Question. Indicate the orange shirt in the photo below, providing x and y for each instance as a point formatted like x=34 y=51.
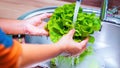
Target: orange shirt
x=9 y=55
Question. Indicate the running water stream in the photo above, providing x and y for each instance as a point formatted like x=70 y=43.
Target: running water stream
x=78 y=2
x=77 y=6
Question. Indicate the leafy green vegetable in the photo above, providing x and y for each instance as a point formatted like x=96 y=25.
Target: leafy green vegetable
x=52 y=63
x=61 y=23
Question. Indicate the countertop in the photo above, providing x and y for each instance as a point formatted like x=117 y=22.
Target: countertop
x=12 y=9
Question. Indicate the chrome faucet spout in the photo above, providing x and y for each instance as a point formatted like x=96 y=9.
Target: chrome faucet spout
x=104 y=8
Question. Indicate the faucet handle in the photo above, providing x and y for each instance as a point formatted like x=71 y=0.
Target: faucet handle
x=114 y=10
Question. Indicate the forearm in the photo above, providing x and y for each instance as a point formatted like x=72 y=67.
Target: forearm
x=12 y=26
x=37 y=53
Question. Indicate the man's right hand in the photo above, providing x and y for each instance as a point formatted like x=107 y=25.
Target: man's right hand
x=71 y=47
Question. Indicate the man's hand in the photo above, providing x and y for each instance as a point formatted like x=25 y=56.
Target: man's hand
x=35 y=25
x=71 y=47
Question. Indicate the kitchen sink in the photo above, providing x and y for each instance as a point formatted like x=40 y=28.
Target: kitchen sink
x=107 y=40
x=107 y=44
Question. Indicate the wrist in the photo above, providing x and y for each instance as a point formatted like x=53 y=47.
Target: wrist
x=61 y=47
x=20 y=27
x=25 y=27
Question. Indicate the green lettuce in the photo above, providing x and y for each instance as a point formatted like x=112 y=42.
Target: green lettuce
x=61 y=23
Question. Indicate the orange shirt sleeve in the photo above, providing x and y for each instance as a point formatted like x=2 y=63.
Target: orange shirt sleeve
x=9 y=56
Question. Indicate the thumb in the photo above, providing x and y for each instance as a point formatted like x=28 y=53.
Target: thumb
x=45 y=15
x=84 y=42
x=71 y=33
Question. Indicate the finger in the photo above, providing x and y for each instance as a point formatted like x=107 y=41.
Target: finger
x=38 y=19
x=83 y=49
x=71 y=33
x=42 y=25
x=41 y=32
x=45 y=15
x=84 y=42
x=36 y=31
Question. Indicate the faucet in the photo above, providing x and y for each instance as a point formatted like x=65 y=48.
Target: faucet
x=103 y=14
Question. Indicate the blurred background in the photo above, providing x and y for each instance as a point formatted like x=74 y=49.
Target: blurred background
x=14 y=8
x=97 y=3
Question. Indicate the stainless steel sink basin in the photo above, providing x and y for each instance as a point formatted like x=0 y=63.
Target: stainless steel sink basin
x=107 y=43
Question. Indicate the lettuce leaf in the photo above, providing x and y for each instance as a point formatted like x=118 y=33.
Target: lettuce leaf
x=61 y=23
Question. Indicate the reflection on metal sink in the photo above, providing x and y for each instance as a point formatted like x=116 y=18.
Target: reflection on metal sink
x=109 y=35
x=107 y=43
